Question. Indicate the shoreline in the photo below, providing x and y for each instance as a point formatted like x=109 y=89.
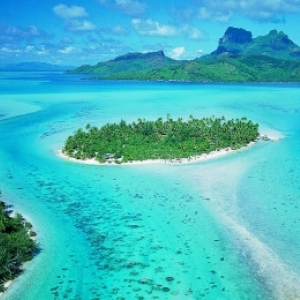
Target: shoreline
x=6 y=285
x=193 y=159
x=9 y=282
x=93 y=161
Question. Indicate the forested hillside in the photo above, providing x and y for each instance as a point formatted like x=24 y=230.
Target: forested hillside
x=238 y=58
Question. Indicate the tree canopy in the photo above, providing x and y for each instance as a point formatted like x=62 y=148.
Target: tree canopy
x=16 y=244
x=159 y=139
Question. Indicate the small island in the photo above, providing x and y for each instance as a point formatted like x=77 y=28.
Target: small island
x=161 y=139
x=17 y=244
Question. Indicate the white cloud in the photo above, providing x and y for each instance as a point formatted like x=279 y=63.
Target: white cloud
x=9 y=50
x=29 y=48
x=34 y=31
x=76 y=25
x=200 y=52
x=128 y=7
x=104 y=2
x=42 y=50
x=12 y=33
x=217 y=14
x=67 y=50
x=66 y=12
x=120 y=30
x=267 y=10
x=66 y=40
x=191 y=32
x=176 y=53
x=131 y=7
x=182 y=14
x=153 y=28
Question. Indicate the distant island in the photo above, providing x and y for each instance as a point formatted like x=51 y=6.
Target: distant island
x=17 y=245
x=33 y=66
x=238 y=58
x=160 y=139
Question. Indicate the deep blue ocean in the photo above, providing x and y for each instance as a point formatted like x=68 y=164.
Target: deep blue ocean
x=226 y=228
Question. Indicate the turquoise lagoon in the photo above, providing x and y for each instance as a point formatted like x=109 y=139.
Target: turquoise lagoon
x=226 y=228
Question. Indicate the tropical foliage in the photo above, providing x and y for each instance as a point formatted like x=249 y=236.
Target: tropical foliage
x=238 y=58
x=127 y=63
x=275 y=44
x=160 y=139
x=241 y=68
x=16 y=244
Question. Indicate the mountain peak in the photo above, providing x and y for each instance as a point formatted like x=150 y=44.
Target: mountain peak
x=236 y=35
x=233 y=41
x=138 y=55
x=273 y=32
x=131 y=62
x=279 y=38
x=238 y=41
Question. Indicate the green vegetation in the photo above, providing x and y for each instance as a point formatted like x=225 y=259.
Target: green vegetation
x=16 y=244
x=275 y=44
x=129 y=63
x=242 y=68
x=160 y=139
x=222 y=68
x=238 y=58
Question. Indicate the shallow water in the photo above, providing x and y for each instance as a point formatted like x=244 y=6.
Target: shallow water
x=221 y=229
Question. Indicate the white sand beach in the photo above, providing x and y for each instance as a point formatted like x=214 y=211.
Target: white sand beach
x=211 y=155
x=198 y=158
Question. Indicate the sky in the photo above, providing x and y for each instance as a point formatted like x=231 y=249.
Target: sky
x=74 y=33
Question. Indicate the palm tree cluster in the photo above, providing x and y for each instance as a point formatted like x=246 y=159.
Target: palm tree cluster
x=16 y=244
x=160 y=139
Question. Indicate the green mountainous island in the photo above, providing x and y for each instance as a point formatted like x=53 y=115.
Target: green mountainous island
x=238 y=58
x=33 y=66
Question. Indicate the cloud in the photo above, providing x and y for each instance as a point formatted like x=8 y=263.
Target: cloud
x=176 y=53
x=128 y=7
x=200 y=52
x=67 y=50
x=42 y=50
x=153 y=28
x=131 y=7
x=71 y=12
x=14 y=35
x=267 y=10
x=10 y=50
x=29 y=48
x=118 y=30
x=191 y=32
x=217 y=11
x=182 y=14
x=16 y=32
x=66 y=40
x=71 y=15
x=81 y=26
